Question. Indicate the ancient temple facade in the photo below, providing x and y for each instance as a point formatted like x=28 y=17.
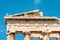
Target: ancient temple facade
x=32 y=24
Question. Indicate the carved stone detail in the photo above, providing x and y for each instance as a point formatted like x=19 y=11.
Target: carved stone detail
x=32 y=24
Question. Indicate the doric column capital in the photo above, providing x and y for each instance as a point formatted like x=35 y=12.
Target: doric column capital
x=27 y=33
x=57 y=38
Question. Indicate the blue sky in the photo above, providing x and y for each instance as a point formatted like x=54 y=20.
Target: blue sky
x=48 y=7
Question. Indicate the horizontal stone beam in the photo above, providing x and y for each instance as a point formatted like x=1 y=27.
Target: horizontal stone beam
x=36 y=35
x=27 y=29
x=31 y=18
x=54 y=35
x=43 y=29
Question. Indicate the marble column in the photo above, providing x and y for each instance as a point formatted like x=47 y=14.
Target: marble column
x=11 y=36
x=27 y=36
x=46 y=37
x=41 y=38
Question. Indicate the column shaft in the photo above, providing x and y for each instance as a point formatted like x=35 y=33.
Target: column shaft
x=27 y=36
x=10 y=37
x=41 y=38
x=46 y=37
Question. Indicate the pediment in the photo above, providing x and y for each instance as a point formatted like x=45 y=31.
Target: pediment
x=27 y=14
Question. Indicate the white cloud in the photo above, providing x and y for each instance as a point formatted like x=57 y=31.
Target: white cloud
x=37 y=1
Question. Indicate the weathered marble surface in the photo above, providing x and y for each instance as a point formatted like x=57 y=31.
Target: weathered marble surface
x=32 y=24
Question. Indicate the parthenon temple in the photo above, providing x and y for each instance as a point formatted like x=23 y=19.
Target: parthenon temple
x=32 y=24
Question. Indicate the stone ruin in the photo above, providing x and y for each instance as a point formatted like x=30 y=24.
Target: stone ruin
x=32 y=24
